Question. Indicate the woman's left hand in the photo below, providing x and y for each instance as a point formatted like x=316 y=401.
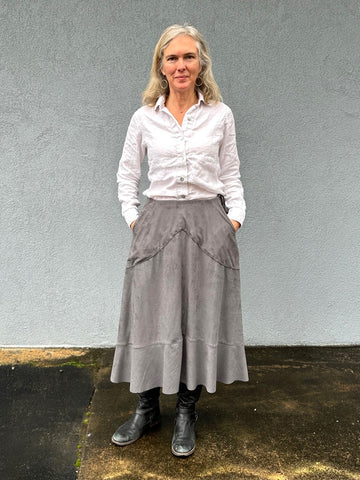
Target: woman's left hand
x=236 y=224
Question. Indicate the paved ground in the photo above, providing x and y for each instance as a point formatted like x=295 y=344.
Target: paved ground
x=41 y=415
x=297 y=419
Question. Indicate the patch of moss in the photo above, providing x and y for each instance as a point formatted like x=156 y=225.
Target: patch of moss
x=77 y=464
x=78 y=364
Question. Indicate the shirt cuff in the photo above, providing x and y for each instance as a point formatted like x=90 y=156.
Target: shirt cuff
x=236 y=214
x=131 y=215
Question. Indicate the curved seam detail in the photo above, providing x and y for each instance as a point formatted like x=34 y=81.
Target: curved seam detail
x=209 y=254
x=156 y=252
x=172 y=236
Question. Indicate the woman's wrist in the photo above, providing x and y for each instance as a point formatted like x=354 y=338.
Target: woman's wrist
x=236 y=224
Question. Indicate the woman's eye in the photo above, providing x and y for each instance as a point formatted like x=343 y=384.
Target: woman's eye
x=171 y=59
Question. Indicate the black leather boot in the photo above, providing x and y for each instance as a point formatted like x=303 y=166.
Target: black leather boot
x=183 y=441
x=147 y=415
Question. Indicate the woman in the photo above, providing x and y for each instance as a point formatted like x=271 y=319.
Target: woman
x=180 y=324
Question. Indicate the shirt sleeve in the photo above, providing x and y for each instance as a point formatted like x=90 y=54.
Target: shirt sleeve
x=230 y=171
x=129 y=172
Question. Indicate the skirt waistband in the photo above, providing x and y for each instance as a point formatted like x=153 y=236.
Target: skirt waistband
x=183 y=201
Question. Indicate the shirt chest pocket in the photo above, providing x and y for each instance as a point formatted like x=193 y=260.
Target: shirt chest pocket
x=163 y=147
x=207 y=147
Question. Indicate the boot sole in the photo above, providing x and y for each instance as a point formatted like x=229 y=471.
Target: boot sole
x=123 y=444
x=129 y=442
x=183 y=455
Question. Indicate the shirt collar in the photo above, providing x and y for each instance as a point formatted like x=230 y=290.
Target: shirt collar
x=160 y=104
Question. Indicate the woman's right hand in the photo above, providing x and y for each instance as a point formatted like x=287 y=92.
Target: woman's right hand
x=132 y=224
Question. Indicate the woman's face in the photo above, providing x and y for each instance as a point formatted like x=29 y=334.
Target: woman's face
x=181 y=64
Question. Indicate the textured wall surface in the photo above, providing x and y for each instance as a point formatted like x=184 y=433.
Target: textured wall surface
x=71 y=75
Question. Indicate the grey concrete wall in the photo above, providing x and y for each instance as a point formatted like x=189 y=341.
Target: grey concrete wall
x=71 y=75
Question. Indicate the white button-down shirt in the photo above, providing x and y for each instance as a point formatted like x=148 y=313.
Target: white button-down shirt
x=196 y=160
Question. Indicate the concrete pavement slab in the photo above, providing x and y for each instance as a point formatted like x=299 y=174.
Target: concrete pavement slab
x=297 y=419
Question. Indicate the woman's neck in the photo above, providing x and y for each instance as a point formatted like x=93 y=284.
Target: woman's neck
x=181 y=102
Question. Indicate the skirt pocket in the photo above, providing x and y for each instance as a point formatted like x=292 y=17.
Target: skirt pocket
x=224 y=211
x=141 y=216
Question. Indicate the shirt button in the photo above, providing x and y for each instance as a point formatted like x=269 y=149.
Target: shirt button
x=182 y=179
x=182 y=196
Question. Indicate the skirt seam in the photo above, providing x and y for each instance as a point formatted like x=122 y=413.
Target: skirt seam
x=172 y=236
x=217 y=344
x=138 y=347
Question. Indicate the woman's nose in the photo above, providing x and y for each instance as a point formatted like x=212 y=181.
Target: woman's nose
x=180 y=64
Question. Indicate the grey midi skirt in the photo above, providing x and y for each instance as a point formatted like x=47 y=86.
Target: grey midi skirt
x=180 y=315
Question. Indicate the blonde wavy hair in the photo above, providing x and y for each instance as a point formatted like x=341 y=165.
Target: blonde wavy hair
x=208 y=87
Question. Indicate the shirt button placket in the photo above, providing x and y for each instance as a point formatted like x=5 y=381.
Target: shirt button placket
x=181 y=179
x=182 y=184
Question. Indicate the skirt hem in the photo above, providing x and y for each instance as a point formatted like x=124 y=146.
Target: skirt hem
x=210 y=391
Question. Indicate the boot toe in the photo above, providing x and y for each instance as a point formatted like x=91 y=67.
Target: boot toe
x=134 y=428
x=183 y=449
x=122 y=437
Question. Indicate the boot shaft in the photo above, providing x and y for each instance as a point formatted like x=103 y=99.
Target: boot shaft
x=148 y=401
x=187 y=398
